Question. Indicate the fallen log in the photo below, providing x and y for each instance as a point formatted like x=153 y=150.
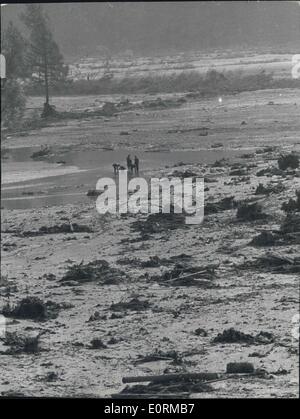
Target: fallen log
x=150 y=395
x=171 y=377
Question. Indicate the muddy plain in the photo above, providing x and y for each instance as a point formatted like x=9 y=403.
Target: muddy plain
x=129 y=295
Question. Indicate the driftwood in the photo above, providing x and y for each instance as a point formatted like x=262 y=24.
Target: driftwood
x=207 y=270
x=170 y=377
x=150 y=395
x=174 y=381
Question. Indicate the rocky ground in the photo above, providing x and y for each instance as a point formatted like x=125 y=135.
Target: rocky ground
x=135 y=311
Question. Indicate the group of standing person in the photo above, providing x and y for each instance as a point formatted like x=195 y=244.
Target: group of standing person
x=133 y=166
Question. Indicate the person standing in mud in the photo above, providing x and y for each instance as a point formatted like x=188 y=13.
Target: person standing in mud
x=136 y=164
x=129 y=163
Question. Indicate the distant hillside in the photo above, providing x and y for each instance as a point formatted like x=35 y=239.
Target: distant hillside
x=81 y=29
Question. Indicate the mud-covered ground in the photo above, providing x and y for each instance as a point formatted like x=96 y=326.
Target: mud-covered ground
x=162 y=315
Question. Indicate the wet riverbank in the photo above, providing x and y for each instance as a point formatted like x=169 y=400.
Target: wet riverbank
x=29 y=184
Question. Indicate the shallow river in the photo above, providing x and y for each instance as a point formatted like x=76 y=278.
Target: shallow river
x=67 y=178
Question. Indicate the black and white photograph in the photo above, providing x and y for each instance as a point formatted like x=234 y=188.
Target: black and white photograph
x=150 y=202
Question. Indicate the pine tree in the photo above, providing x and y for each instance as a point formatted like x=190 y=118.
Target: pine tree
x=44 y=57
x=13 y=47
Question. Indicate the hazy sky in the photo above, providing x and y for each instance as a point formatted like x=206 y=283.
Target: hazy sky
x=150 y=27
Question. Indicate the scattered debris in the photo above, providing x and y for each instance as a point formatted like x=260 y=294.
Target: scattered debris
x=135 y=305
x=280 y=371
x=97 y=344
x=32 y=308
x=155 y=261
x=93 y=192
x=114 y=341
x=199 y=376
x=185 y=130
x=45 y=151
x=49 y=277
x=250 y=212
x=234 y=336
x=291 y=224
x=182 y=275
x=224 y=204
x=184 y=174
x=109 y=109
x=157 y=223
x=288 y=161
x=159 y=355
x=97 y=316
x=98 y=270
x=134 y=262
x=220 y=163
x=247 y=156
x=274 y=263
x=217 y=145
x=201 y=332
x=238 y=172
x=172 y=389
x=166 y=103
x=13 y=394
x=51 y=376
x=267 y=149
x=270 y=171
x=265 y=238
x=152 y=262
x=288 y=234
x=266 y=190
x=293 y=205
x=240 y=368
x=264 y=338
x=21 y=344
x=58 y=229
